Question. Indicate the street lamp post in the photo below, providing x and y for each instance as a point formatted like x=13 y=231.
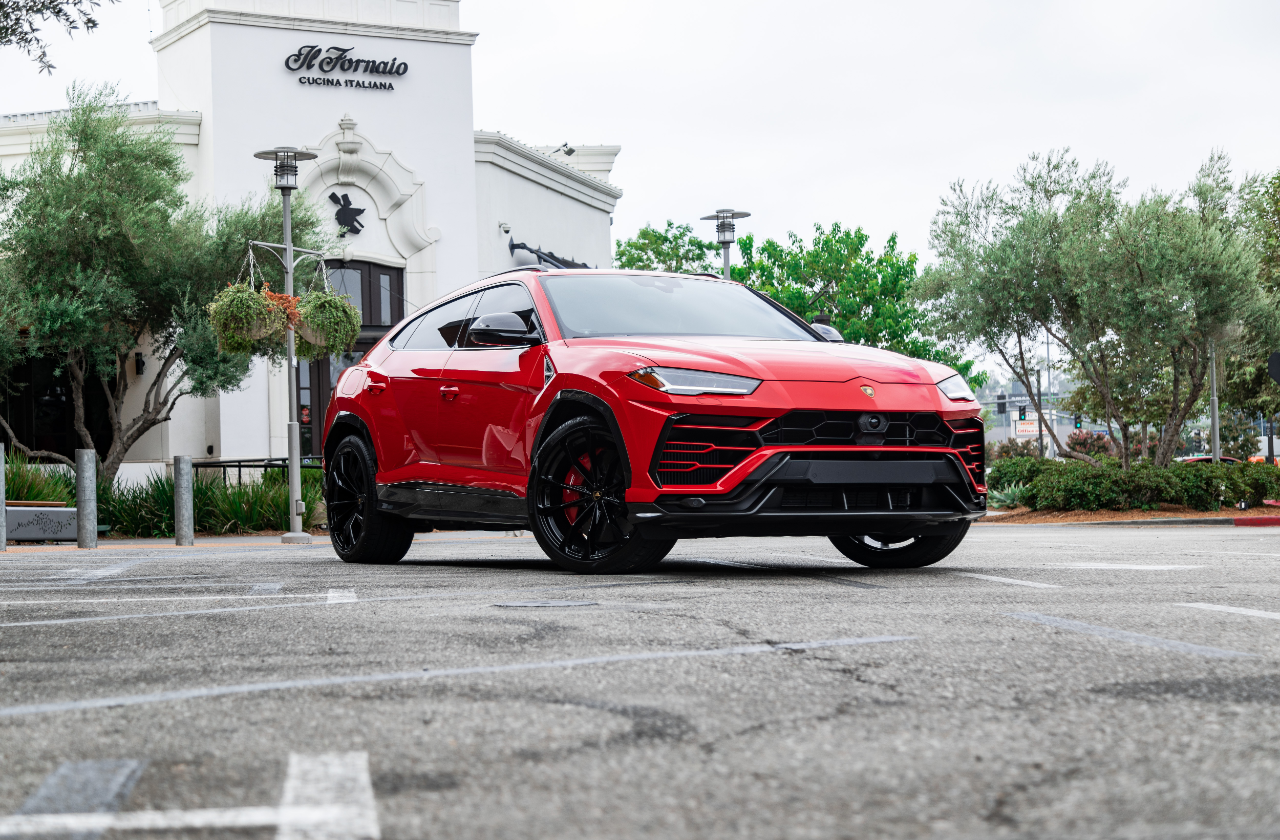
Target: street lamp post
x=286 y=173
x=725 y=231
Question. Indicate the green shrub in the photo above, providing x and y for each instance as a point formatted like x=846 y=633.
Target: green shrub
x=1012 y=495
x=146 y=509
x=1008 y=471
x=1075 y=485
x=28 y=482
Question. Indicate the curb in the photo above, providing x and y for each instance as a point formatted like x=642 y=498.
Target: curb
x=1238 y=521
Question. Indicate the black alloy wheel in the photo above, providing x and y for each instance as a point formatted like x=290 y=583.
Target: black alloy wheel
x=359 y=532
x=882 y=551
x=577 y=504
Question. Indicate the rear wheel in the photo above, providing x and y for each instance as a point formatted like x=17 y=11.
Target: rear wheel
x=577 y=504
x=360 y=533
x=882 y=551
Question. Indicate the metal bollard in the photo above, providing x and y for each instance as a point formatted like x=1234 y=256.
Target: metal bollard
x=86 y=498
x=184 y=525
x=4 y=514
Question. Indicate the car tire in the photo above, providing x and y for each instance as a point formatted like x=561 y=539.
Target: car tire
x=871 y=551
x=580 y=462
x=359 y=532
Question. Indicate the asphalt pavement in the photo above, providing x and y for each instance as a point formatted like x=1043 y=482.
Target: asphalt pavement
x=1041 y=682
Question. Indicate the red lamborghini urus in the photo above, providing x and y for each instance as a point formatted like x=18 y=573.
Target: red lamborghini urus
x=613 y=413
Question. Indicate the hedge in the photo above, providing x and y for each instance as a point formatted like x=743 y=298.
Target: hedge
x=1075 y=485
x=146 y=509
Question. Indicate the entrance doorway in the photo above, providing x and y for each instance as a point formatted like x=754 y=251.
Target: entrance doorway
x=378 y=292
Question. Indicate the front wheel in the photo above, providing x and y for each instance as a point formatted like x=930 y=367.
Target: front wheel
x=577 y=504
x=359 y=532
x=880 y=551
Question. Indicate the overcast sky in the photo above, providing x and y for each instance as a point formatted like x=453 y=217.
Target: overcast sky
x=805 y=111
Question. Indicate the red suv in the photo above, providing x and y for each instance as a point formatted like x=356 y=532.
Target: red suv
x=613 y=413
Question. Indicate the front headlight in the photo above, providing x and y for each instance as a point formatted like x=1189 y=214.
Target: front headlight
x=955 y=388
x=690 y=383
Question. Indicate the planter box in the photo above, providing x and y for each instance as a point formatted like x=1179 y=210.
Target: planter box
x=40 y=523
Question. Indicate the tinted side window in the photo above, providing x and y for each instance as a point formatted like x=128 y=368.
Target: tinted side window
x=513 y=298
x=438 y=329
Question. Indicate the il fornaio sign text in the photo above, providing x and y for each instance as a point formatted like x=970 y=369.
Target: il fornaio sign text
x=312 y=57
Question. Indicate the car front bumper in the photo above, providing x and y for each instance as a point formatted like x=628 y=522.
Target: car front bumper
x=824 y=494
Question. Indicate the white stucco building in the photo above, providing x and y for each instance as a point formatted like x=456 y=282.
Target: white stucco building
x=381 y=91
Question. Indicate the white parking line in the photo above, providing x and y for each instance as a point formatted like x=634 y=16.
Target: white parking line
x=326 y=797
x=432 y=595
x=315 y=817
x=169 y=598
x=1126 y=636
x=341 y=596
x=84 y=786
x=342 y=779
x=1014 y=581
x=1237 y=610
x=425 y=674
x=1137 y=566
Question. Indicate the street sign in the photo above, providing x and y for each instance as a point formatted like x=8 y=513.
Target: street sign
x=1026 y=428
x=1273 y=367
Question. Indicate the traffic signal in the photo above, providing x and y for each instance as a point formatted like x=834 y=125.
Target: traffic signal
x=1022 y=412
x=1078 y=423
x=1001 y=406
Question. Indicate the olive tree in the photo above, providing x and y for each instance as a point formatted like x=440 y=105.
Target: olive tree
x=1131 y=290
x=102 y=255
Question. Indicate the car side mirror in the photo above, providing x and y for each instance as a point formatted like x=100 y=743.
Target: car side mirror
x=501 y=329
x=828 y=332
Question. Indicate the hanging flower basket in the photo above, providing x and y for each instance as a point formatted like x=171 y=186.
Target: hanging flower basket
x=327 y=323
x=242 y=317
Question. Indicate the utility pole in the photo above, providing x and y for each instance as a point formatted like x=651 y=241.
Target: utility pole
x=1048 y=378
x=1039 y=414
x=1213 y=402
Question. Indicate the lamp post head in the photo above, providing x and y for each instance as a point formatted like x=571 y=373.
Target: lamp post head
x=286 y=159
x=724 y=224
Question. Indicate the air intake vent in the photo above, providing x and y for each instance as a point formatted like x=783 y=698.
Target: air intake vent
x=699 y=450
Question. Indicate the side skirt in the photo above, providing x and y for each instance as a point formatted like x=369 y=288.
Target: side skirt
x=465 y=506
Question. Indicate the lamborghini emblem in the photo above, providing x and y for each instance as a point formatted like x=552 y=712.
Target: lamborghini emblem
x=868 y=390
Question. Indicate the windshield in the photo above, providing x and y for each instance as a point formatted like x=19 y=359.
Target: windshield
x=631 y=304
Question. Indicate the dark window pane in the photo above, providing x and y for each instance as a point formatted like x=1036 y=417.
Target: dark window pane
x=384 y=313
x=513 y=298
x=339 y=363
x=436 y=330
x=346 y=281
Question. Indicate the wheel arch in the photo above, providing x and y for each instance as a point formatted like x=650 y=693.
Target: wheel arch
x=346 y=424
x=571 y=403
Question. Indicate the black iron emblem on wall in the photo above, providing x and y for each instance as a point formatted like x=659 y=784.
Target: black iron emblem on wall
x=347 y=216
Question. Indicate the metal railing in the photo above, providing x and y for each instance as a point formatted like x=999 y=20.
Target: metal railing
x=256 y=467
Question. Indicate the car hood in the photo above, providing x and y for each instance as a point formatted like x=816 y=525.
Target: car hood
x=811 y=361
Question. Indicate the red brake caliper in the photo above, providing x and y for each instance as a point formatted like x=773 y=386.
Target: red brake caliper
x=575 y=479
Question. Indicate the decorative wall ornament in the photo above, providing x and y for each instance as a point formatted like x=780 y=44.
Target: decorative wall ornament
x=348 y=158
x=348 y=151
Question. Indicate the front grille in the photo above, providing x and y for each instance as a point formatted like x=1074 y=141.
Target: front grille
x=699 y=450
x=840 y=428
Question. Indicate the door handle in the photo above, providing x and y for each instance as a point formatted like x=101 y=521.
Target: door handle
x=375 y=387
x=449 y=392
